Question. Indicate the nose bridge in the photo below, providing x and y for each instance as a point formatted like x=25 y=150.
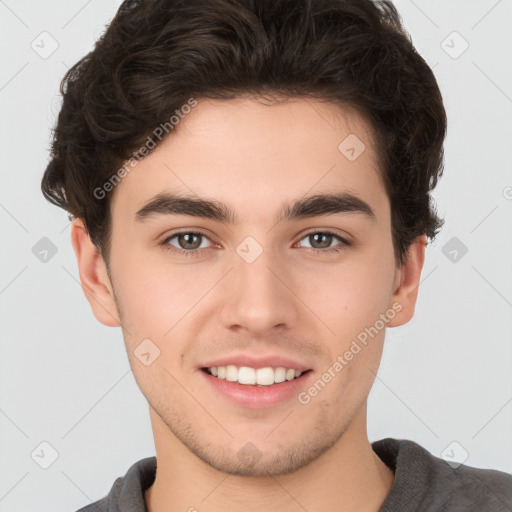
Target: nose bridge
x=257 y=298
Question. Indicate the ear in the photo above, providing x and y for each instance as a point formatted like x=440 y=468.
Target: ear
x=407 y=280
x=96 y=284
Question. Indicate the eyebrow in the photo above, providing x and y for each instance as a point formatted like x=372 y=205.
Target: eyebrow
x=166 y=203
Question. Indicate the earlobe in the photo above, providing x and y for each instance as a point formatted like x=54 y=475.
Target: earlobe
x=94 y=278
x=407 y=283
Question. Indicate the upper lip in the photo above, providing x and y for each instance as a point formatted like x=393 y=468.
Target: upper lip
x=274 y=361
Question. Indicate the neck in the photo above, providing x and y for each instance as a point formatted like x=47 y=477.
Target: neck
x=348 y=476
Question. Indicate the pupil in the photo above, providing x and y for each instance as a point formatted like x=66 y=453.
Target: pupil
x=187 y=237
x=329 y=237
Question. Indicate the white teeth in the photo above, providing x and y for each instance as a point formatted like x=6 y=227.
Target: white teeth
x=265 y=376
x=280 y=374
x=251 y=376
x=246 y=375
x=231 y=373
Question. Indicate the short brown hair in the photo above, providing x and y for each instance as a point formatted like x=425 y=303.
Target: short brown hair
x=156 y=54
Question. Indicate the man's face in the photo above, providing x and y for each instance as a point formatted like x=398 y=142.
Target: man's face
x=255 y=287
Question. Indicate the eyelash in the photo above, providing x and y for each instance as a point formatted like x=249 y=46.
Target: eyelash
x=198 y=252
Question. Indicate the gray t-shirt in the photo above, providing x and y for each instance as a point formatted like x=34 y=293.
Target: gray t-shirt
x=422 y=483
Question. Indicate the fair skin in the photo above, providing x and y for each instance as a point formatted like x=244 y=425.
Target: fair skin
x=295 y=299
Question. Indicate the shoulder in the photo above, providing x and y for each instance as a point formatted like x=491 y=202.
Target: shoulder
x=107 y=503
x=432 y=483
x=127 y=492
x=482 y=487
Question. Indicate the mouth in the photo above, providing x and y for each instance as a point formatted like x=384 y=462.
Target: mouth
x=255 y=377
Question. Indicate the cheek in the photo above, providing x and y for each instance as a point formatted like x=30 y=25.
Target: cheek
x=155 y=294
x=349 y=296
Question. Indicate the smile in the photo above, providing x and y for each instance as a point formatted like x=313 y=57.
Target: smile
x=254 y=377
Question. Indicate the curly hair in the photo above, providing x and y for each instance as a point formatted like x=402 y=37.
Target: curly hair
x=156 y=54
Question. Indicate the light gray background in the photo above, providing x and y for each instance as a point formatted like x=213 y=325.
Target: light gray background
x=64 y=378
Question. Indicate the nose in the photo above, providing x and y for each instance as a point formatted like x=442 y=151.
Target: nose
x=260 y=295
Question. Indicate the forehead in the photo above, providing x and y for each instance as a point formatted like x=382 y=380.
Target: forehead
x=253 y=155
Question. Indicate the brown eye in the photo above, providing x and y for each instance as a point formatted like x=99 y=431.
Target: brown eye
x=188 y=243
x=322 y=241
x=189 y=240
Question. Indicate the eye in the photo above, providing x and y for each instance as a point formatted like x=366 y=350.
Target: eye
x=189 y=243
x=192 y=243
x=324 y=240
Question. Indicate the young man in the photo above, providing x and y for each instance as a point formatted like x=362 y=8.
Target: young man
x=250 y=185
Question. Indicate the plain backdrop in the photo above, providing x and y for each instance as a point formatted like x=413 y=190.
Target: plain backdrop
x=67 y=396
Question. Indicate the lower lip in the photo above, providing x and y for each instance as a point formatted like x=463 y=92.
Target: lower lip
x=258 y=397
